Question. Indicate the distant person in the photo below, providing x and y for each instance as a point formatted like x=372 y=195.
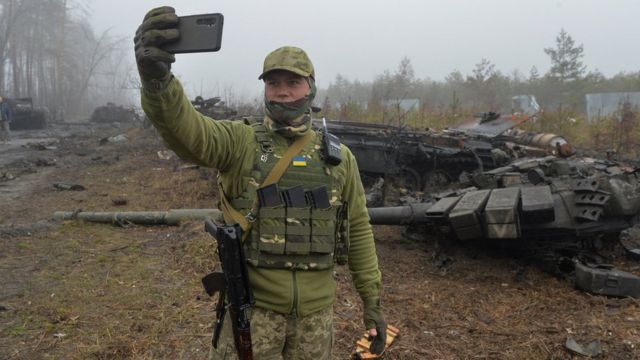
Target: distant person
x=5 y=119
x=290 y=260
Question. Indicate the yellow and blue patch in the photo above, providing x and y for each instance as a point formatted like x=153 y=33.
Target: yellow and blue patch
x=299 y=161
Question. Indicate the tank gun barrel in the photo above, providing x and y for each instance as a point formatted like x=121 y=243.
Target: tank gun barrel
x=171 y=217
x=400 y=215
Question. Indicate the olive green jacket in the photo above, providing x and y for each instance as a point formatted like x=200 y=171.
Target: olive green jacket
x=229 y=146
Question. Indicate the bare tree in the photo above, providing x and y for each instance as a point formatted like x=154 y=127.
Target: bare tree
x=49 y=52
x=88 y=60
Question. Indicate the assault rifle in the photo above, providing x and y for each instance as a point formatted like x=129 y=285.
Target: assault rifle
x=231 y=284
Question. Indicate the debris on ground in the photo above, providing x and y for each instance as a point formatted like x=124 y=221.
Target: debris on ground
x=119 y=201
x=68 y=186
x=592 y=349
x=45 y=162
x=114 y=139
x=166 y=154
x=5 y=176
x=362 y=346
x=49 y=145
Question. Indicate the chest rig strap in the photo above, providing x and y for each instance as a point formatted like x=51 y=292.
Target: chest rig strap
x=263 y=137
x=232 y=215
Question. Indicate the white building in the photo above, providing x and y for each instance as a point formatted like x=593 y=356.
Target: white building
x=605 y=104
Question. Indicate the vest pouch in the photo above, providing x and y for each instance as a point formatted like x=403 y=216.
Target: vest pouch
x=271 y=223
x=323 y=230
x=342 y=240
x=298 y=231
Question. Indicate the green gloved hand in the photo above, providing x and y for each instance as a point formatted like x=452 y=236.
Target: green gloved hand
x=154 y=64
x=374 y=319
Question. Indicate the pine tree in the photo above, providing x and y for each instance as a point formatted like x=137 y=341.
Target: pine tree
x=566 y=59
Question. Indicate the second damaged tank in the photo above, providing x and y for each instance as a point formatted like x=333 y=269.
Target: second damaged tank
x=213 y=108
x=422 y=159
x=112 y=113
x=560 y=213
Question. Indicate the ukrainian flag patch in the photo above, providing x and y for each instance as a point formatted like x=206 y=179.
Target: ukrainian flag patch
x=299 y=161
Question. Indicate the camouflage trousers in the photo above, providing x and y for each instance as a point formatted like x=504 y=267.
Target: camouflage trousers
x=276 y=336
x=5 y=133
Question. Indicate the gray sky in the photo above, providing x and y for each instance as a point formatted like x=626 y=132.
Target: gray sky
x=361 y=38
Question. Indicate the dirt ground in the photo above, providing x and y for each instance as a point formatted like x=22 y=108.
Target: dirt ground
x=73 y=290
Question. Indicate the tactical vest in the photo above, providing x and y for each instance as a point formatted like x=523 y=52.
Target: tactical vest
x=300 y=238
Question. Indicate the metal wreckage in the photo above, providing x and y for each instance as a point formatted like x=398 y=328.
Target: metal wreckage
x=559 y=212
x=26 y=116
x=511 y=189
x=497 y=186
x=423 y=159
x=112 y=113
x=213 y=107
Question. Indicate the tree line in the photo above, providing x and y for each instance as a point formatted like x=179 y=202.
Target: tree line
x=484 y=89
x=50 y=52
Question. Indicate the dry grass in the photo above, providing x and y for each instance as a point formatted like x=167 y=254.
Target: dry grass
x=90 y=291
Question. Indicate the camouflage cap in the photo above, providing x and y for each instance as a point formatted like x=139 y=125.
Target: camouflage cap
x=288 y=58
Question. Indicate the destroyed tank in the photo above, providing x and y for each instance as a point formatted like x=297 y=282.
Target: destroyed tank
x=213 y=108
x=423 y=159
x=559 y=212
x=26 y=116
x=112 y=113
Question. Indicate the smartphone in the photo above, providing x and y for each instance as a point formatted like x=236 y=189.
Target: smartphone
x=198 y=33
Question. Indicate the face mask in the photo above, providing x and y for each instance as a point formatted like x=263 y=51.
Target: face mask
x=290 y=114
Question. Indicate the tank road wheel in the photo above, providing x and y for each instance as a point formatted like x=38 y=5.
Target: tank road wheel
x=435 y=179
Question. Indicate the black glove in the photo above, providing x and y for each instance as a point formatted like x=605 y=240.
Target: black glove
x=373 y=318
x=154 y=64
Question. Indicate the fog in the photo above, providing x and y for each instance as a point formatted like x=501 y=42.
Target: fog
x=362 y=39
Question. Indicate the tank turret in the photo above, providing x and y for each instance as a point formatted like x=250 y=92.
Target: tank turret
x=550 y=208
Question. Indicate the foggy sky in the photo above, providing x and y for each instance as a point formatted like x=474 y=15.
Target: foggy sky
x=362 y=38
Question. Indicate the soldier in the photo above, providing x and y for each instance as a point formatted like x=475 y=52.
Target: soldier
x=5 y=120
x=292 y=277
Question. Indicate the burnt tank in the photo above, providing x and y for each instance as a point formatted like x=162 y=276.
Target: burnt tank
x=26 y=116
x=112 y=113
x=559 y=212
x=423 y=159
x=214 y=108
